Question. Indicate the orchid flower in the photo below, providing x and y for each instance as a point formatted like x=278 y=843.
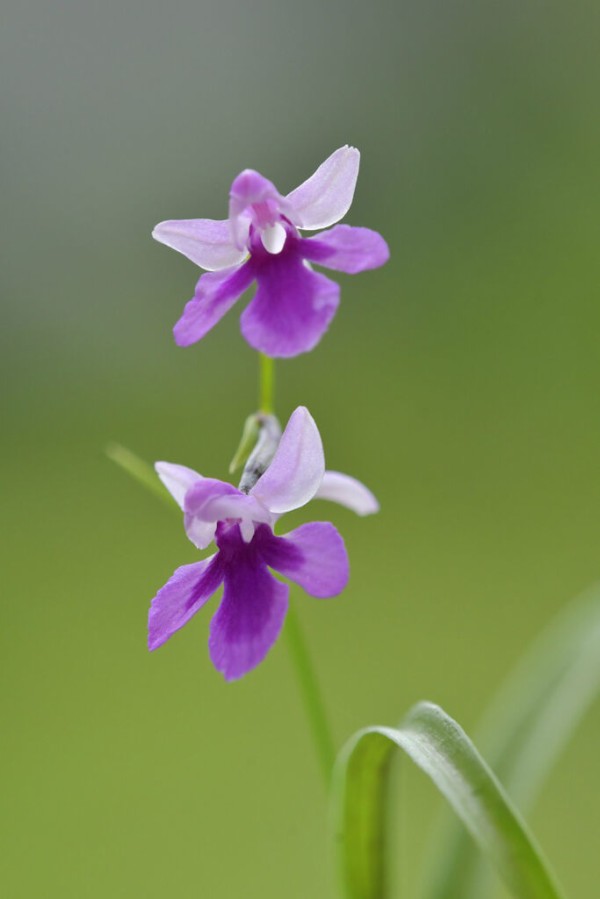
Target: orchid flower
x=254 y=603
x=260 y=241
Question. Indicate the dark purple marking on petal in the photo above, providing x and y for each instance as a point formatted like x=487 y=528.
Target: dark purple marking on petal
x=252 y=610
x=181 y=597
x=347 y=249
x=216 y=293
x=313 y=556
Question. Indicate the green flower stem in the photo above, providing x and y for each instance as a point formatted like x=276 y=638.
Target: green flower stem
x=311 y=694
x=307 y=679
x=266 y=384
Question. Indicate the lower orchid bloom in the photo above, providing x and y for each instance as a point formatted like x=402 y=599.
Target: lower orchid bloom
x=260 y=241
x=254 y=603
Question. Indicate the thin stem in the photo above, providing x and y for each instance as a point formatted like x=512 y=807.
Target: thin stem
x=266 y=384
x=307 y=678
x=311 y=694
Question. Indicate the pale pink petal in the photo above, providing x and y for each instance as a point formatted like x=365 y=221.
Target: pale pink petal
x=347 y=491
x=206 y=242
x=216 y=293
x=177 y=479
x=327 y=195
x=313 y=556
x=297 y=469
x=181 y=597
x=347 y=249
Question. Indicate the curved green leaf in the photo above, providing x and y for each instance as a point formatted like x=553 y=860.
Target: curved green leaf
x=525 y=729
x=437 y=744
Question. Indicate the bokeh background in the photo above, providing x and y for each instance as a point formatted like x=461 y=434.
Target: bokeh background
x=461 y=382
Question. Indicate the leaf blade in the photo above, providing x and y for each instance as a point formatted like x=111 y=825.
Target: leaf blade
x=140 y=471
x=437 y=745
x=525 y=730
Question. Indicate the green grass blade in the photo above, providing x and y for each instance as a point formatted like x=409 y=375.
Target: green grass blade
x=140 y=471
x=442 y=750
x=524 y=731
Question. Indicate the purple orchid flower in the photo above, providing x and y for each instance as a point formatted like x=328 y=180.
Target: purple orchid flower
x=260 y=242
x=254 y=603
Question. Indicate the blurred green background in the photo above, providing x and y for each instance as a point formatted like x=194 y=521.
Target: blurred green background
x=461 y=383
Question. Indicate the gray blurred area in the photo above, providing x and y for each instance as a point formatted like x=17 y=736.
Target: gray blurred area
x=461 y=383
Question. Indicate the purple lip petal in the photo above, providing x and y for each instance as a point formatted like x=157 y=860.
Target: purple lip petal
x=313 y=556
x=216 y=293
x=326 y=196
x=297 y=469
x=249 y=618
x=292 y=308
x=206 y=242
x=347 y=249
x=181 y=597
x=347 y=491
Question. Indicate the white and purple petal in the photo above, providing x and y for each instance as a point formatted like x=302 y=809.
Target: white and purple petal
x=347 y=491
x=253 y=200
x=206 y=242
x=181 y=597
x=199 y=526
x=234 y=506
x=249 y=618
x=326 y=196
x=177 y=479
x=292 y=308
x=297 y=469
x=347 y=249
x=216 y=293
x=313 y=556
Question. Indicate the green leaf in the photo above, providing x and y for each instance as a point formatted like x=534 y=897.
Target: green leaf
x=525 y=730
x=139 y=470
x=437 y=744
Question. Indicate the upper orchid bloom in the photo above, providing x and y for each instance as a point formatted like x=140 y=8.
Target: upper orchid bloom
x=254 y=603
x=260 y=242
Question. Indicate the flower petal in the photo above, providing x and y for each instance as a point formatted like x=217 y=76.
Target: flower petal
x=206 y=242
x=297 y=469
x=251 y=189
x=199 y=526
x=314 y=556
x=347 y=249
x=249 y=618
x=216 y=292
x=347 y=491
x=292 y=307
x=247 y=508
x=273 y=238
x=177 y=479
x=327 y=195
x=181 y=597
